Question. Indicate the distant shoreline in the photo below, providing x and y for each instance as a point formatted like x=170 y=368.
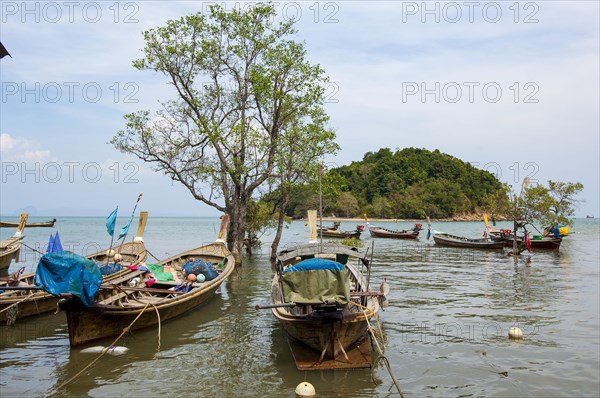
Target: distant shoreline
x=461 y=218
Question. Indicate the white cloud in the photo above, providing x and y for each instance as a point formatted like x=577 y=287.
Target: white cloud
x=19 y=149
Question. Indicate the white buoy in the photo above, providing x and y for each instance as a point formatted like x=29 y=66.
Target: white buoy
x=138 y=239
x=515 y=333
x=117 y=258
x=305 y=389
x=117 y=350
x=110 y=253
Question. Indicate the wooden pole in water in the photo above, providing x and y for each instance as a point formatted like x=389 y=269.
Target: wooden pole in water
x=19 y=233
x=321 y=204
x=312 y=226
x=141 y=224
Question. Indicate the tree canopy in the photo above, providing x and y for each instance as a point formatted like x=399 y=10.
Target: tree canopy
x=242 y=87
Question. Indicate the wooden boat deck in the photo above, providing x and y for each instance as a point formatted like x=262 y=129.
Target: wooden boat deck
x=359 y=357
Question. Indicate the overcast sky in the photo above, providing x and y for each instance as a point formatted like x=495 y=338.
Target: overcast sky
x=512 y=87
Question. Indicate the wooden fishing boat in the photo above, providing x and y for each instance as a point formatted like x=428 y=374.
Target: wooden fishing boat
x=9 y=248
x=29 y=301
x=462 y=242
x=43 y=224
x=538 y=242
x=323 y=309
x=118 y=303
x=379 y=232
x=335 y=232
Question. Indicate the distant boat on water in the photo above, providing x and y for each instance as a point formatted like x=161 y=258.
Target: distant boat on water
x=589 y=216
x=46 y=224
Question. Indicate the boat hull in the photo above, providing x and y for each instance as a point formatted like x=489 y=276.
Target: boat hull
x=465 y=243
x=545 y=243
x=384 y=233
x=320 y=334
x=9 y=251
x=340 y=234
x=329 y=332
x=44 y=224
x=113 y=309
x=30 y=303
x=98 y=323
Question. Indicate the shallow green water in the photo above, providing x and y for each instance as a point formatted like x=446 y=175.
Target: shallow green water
x=446 y=326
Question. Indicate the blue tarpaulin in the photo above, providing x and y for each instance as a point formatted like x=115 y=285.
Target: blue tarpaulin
x=315 y=264
x=66 y=272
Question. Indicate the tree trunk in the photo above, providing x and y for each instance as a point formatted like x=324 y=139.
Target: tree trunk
x=280 y=220
x=237 y=229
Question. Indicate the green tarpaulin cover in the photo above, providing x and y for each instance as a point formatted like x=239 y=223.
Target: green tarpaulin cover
x=316 y=286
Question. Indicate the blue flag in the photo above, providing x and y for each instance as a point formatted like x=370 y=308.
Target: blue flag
x=125 y=229
x=429 y=232
x=54 y=244
x=110 y=222
x=50 y=248
x=57 y=245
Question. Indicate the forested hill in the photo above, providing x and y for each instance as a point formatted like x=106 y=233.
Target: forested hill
x=408 y=183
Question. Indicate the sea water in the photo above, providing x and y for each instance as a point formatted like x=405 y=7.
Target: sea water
x=446 y=326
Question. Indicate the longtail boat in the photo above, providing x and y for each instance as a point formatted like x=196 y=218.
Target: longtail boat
x=539 y=242
x=9 y=248
x=129 y=302
x=335 y=232
x=462 y=242
x=380 y=232
x=42 y=224
x=30 y=301
x=322 y=300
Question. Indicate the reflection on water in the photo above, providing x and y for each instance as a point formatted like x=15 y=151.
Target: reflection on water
x=445 y=329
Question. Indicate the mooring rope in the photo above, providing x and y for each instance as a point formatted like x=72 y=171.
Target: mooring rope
x=35 y=250
x=106 y=349
x=12 y=309
x=381 y=355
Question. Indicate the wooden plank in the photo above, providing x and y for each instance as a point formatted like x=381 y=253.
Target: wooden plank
x=359 y=357
x=142 y=224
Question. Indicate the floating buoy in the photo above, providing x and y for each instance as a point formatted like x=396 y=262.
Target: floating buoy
x=200 y=278
x=515 y=333
x=305 y=389
x=191 y=277
x=138 y=239
x=118 y=350
x=110 y=253
x=117 y=258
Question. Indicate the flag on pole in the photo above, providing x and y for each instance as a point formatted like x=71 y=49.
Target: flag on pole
x=57 y=244
x=429 y=232
x=110 y=222
x=50 y=248
x=54 y=244
x=125 y=229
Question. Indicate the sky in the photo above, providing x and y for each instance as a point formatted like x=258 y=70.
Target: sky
x=511 y=87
